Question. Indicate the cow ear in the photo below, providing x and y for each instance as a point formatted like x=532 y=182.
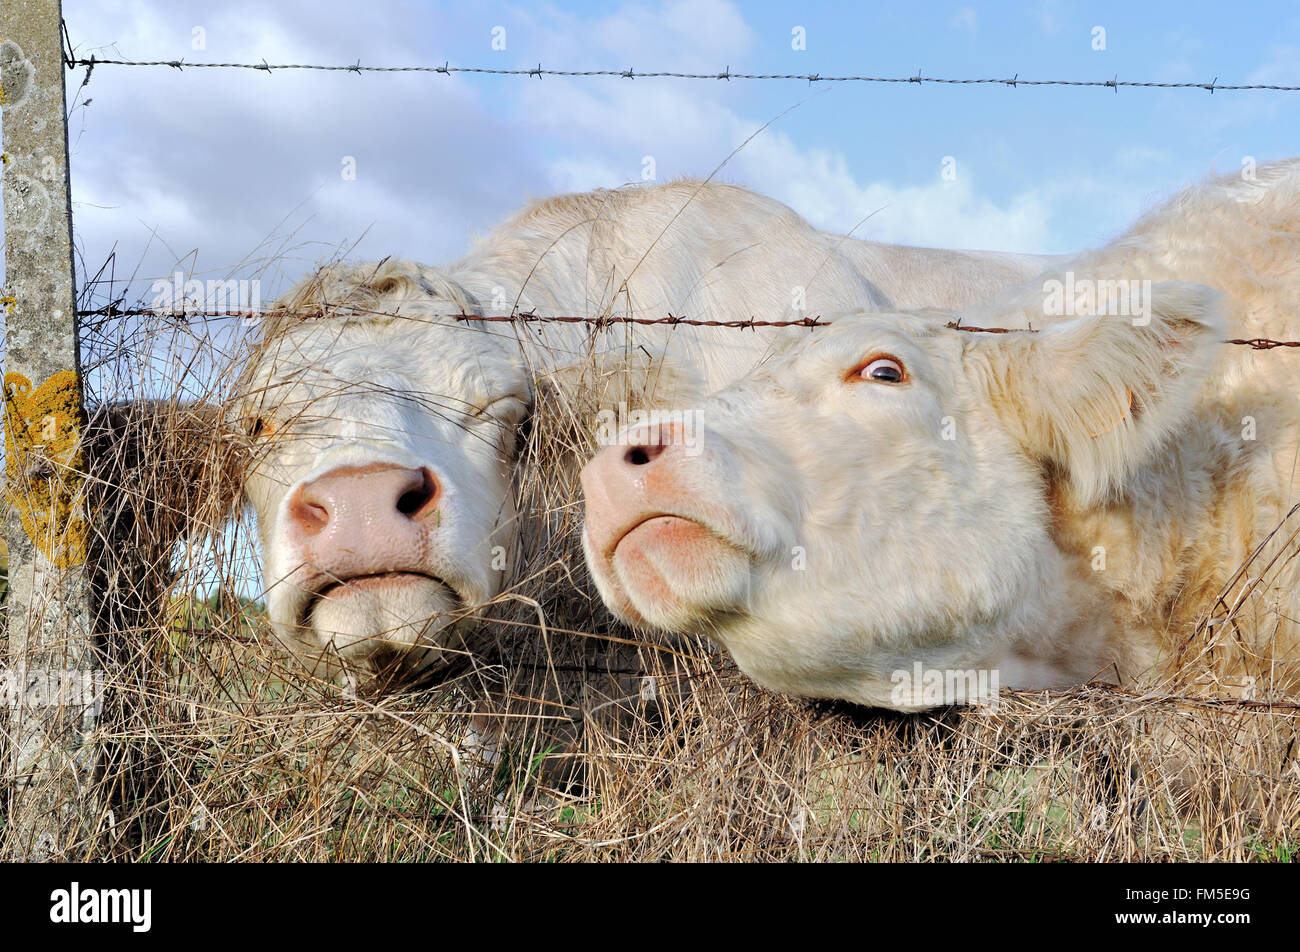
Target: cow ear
x=177 y=466
x=162 y=473
x=1097 y=395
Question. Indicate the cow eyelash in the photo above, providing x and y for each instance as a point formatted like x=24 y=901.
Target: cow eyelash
x=889 y=364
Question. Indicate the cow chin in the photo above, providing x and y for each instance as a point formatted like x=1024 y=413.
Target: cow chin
x=675 y=575
x=385 y=626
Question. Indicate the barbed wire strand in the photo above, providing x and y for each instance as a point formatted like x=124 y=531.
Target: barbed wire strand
x=726 y=74
x=529 y=317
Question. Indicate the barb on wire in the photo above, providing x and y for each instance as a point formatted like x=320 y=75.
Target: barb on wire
x=539 y=71
x=1264 y=343
x=957 y=325
x=529 y=317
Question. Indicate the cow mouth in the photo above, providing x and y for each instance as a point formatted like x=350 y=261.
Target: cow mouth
x=637 y=525
x=706 y=533
x=649 y=521
x=370 y=584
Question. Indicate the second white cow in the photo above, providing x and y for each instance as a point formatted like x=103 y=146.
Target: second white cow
x=896 y=501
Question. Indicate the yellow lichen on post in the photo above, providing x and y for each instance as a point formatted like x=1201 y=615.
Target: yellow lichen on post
x=43 y=464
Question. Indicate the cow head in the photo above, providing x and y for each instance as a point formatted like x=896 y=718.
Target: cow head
x=385 y=474
x=876 y=497
x=381 y=478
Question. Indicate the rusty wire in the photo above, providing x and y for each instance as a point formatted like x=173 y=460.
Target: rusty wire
x=529 y=317
x=525 y=317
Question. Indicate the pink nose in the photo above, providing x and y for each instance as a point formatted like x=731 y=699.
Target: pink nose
x=358 y=520
x=624 y=484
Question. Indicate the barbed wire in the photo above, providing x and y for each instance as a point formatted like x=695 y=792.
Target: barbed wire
x=529 y=317
x=538 y=71
x=1255 y=343
x=671 y=319
x=526 y=317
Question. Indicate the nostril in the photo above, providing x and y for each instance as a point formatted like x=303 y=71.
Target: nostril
x=641 y=455
x=310 y=517
x=419 y=498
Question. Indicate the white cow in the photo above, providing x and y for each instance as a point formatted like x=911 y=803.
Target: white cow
x=383 y=482
x=903 y=514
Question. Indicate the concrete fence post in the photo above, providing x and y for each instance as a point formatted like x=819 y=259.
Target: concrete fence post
x=53 y=681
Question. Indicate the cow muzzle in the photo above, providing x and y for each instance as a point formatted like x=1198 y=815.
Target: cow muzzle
x=366 y=586
x=651 y=532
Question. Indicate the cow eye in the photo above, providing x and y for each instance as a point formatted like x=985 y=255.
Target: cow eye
x=508 y=409
x=882 y=370
x=260 y=426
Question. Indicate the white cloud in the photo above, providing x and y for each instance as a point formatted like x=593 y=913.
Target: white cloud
x=220 y=160
x=686 y=134
x=1051 y=15
x=819 y=185
x=237 y=164
x=682 y=33
x=1282 y=68
x=965 y=18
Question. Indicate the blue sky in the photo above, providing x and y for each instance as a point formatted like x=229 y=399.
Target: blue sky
x=212 y=167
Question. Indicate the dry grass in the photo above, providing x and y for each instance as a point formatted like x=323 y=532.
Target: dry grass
x=217 y=748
